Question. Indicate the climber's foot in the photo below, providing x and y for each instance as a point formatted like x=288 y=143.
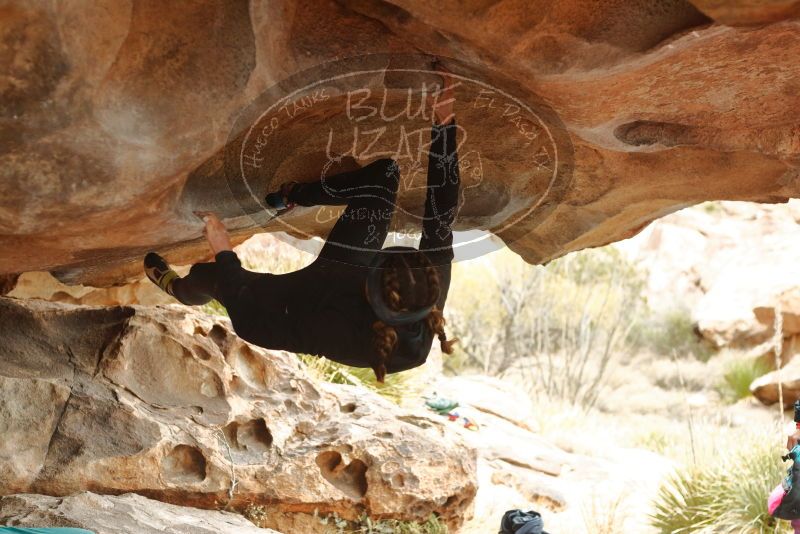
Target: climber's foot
x=159 y=272
x=279 y=200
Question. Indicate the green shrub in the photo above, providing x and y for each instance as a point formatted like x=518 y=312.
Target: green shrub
x=738 y=376
x=727 y=494
x=669 y=331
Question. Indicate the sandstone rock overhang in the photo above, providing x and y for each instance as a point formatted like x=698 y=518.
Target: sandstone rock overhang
x=116 y=115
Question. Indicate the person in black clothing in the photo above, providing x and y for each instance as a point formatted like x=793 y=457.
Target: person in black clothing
x=357 y=304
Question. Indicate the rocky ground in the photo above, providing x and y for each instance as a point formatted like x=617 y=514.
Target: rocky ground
x=170 y=404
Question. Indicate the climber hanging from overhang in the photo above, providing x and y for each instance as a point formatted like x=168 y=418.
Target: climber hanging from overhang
x=357 y=304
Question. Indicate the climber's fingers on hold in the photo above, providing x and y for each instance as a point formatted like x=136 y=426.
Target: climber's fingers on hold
x=206 y=216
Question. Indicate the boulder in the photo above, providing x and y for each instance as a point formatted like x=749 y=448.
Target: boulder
x=765 y=387
x=168 y=403
x=789 y=303
x=580 y=122
x=751 y=261
x=121 y=514
x=727 y=264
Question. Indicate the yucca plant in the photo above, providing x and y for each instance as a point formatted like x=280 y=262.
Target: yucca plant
x=738 y=376
x=727 y=494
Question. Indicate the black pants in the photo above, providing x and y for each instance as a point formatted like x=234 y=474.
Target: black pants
x=370 y=194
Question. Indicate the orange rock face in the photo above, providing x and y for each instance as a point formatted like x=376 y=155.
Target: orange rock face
x=580 y=122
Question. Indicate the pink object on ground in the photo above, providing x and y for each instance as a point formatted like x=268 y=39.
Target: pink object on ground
x=775 y=498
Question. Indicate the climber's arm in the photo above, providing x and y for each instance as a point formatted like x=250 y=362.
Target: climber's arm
x=441 y=201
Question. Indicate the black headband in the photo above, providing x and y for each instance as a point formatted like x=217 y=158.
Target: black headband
x=375 y=292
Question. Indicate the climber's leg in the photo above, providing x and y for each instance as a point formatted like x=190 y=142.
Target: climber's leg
x=159 y=272
x=220 y=280
x=377 y=181
x=370 y=194
x=198 y=287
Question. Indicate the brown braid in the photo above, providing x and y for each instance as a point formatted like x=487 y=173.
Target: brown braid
x=394 y=291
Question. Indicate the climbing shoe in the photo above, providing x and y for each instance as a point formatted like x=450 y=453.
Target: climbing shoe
x=279 y=200
x=159 y=272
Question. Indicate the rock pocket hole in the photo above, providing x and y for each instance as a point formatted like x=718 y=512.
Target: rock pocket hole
x=184 y=464
x=250 y=367
x=219 y=336
x=643 y=133
x=253 y=436
x=350 y=407
x=350 y=479
x=202 y=353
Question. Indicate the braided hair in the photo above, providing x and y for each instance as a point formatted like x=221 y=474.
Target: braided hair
x=409 y=281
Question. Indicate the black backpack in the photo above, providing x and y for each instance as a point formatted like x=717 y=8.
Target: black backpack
x=519 y=522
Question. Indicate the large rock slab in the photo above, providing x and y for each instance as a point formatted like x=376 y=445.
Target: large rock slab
x=123 y=514
x=116 y=116
x=169 y=403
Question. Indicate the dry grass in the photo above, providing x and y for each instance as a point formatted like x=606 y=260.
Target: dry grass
x=606 y=516
x=397 y=386
x=333 y=524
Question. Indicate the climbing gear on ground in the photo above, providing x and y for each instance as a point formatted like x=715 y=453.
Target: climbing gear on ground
x=279 y=200
x=446 y=407
x=519 y=522
x=441 y=405
x=159 y=272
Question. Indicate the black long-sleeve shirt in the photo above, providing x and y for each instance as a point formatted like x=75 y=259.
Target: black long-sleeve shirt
x=322 y=309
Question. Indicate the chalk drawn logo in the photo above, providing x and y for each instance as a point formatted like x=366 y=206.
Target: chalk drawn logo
x=359 y=134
